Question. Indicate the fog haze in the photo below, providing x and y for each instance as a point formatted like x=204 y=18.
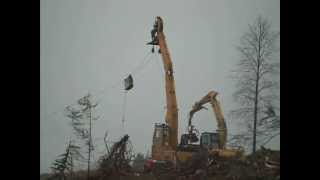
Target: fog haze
x=89 y=46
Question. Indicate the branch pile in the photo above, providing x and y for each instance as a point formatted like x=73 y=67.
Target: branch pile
x=264 y=164
x=116 y=162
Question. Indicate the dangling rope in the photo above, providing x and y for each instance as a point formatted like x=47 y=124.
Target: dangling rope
x=124 y=110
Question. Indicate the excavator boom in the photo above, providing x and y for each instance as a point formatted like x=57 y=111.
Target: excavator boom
x=171 y=100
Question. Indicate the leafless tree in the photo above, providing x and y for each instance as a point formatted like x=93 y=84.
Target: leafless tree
x=81 y=117
x=257 y=84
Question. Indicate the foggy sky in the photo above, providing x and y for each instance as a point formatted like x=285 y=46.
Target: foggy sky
x=90 y=45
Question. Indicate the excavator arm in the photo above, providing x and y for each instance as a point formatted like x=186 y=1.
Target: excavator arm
x=222 y=128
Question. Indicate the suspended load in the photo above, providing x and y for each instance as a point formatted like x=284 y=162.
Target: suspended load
x=128 y=83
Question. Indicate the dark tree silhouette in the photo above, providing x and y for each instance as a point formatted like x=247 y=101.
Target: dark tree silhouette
x=65 y=162
x=256 y=76
x=81 y=117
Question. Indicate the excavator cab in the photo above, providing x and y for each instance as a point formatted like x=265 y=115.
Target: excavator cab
x=209 y=140
x=190 y=137
x=161 y=149
x=161 y=134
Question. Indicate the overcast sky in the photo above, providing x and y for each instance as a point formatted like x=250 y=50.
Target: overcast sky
x=90 y=45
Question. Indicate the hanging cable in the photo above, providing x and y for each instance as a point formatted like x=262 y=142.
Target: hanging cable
x=147 y=62
x=114 y=85
x=139 y=67
x=135 y=72
x=124 y=110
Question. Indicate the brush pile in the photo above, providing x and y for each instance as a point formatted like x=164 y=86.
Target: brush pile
x=264 y=164
x=117 y=161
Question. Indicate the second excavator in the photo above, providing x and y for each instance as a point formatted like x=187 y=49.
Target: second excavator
x=215 y=142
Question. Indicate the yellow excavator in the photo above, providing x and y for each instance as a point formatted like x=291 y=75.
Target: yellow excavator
x=165 y=146
x=215 y=142
x=165 y=137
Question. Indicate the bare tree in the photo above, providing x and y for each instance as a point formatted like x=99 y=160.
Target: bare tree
x=82 y=123
x=256 y=75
